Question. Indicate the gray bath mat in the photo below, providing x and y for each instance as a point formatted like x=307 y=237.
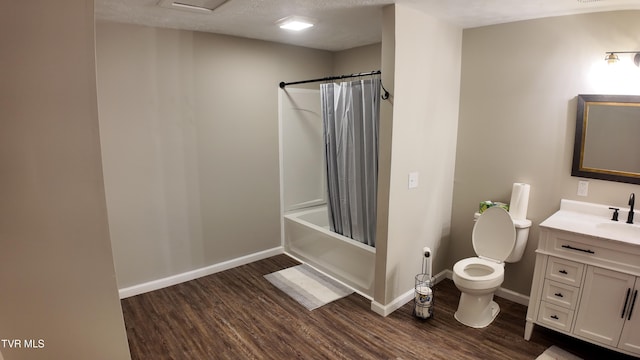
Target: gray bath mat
x=307 y=286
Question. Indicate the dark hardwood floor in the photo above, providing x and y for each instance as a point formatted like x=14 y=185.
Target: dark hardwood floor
x=237 y=314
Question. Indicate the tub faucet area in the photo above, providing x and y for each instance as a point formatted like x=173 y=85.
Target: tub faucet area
x=632 y=200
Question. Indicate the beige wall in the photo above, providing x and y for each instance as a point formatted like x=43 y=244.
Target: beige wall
x=56 y=267
x=517 y=118
x=385 y=142
x=189 y=128
x=361 y=59
x=423 y=140
x=170 y=116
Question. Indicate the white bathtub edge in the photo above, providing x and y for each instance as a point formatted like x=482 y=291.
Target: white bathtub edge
x=329 y=276
x=295 y=217
x=197 y=273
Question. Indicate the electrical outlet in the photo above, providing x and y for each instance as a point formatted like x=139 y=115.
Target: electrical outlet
x=583 y=188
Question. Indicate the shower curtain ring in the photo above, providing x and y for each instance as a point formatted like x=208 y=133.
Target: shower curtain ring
x=384 y=96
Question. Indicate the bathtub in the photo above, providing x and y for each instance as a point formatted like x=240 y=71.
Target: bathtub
x=308 y=238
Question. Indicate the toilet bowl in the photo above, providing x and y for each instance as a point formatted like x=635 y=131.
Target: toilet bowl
x=477 y=274
x=494 y=238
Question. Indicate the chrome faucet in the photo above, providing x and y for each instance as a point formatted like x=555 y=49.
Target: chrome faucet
x=632 y=200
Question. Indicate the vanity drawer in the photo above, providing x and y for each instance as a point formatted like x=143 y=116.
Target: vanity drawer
x=560 y=294
x=555 y=316
x=564 y=271
x=596 y=251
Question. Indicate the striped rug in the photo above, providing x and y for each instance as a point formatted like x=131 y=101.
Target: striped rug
x=307 y=286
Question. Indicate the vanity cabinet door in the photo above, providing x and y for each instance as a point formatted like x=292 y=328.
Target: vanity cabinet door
x=602 y=309
x=630 y=338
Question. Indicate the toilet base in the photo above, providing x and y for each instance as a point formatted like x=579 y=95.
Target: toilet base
x=476 y=311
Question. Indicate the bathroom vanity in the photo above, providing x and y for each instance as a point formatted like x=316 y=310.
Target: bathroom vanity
x=587 y=277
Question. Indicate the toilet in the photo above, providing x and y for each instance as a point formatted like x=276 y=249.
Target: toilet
x=496 y=238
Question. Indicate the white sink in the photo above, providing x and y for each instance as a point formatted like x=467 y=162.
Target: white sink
x=620 y=228
x=593 y=220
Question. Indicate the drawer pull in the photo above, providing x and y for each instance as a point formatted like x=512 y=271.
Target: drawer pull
x=633 y=304
x=626 y=301
x=563 y=272
x=555 y=317
x=578 y=249
x=558 y=295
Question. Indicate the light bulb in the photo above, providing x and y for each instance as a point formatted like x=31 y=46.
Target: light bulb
x=611 y=58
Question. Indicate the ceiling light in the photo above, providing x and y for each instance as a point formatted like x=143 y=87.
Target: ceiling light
x=295 y=23
x=190 y=7
x=613 y=58
x=199 y=6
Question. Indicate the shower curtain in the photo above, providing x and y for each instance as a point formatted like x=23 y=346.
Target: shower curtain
x=350 y=115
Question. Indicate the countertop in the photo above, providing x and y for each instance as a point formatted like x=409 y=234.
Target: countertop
x=593 y=220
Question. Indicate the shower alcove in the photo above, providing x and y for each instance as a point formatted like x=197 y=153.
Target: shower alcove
x=305 y=224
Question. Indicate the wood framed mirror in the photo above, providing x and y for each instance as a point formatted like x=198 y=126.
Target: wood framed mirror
x=607 y=138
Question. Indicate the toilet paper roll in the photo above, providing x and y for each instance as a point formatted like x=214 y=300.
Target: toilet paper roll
x=426 y=251
x=519 y=201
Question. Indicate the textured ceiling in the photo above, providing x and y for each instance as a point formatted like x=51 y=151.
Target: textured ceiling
x=341 y=24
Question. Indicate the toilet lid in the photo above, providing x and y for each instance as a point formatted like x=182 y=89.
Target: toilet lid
x=494 y=235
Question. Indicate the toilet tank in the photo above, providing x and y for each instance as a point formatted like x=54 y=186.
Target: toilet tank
x=522 y=235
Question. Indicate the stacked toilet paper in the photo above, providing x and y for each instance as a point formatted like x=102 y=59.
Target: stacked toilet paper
x=519 y=201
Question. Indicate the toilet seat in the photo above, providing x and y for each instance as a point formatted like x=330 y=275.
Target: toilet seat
x=493 y=238
x=494 y=235
x=463 y=278
x=495 y=269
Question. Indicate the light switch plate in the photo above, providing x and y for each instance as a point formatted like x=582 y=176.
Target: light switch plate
x=413 y=180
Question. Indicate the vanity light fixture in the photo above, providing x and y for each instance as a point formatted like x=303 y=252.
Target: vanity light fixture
x=613 y=58
x=295 y=23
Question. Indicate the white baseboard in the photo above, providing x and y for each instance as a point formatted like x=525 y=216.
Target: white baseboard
x=197 y=273
x=444 y=274
x=397 y=303
x=400 y=301
x=385 y=310
x=513 y=296
x=380 y=309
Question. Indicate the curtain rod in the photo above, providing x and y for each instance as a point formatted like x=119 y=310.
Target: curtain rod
x=385 y=96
